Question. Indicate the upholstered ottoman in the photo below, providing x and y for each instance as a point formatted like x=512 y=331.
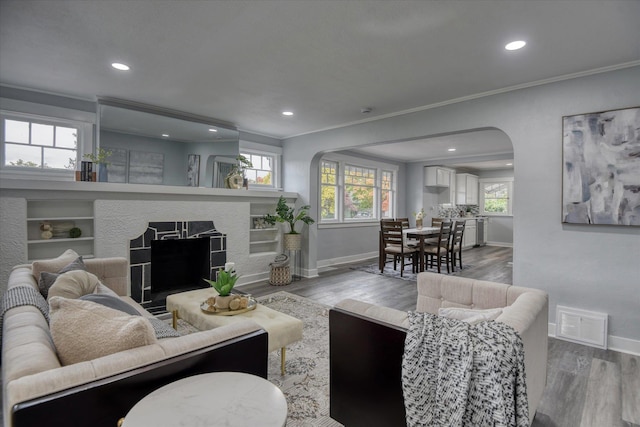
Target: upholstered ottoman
x=282 y=328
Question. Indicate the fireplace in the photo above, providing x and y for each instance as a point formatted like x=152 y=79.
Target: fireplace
x=172 y=257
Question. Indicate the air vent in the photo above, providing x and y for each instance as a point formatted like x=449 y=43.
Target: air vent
x=581 y=326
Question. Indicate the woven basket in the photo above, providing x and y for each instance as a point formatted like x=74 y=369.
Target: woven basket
x=280 y=276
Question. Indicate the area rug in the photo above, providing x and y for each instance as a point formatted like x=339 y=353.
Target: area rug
x=306 y=382
x=406 y=275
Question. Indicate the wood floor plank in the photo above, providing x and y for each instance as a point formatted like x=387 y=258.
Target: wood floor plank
x=563 y=399
x=630 y=367
x=602 y=405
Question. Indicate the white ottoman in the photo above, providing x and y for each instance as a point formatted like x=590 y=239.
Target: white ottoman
x=282 y=328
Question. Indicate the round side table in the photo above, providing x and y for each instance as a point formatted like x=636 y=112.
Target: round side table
x=216 y=399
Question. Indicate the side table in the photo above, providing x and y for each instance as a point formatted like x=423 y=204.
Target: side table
x=231 y=399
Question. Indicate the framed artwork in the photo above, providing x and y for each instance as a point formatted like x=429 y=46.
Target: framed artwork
x=117 y=166
x=193 y=170
x=145 y=167
x=601 y=168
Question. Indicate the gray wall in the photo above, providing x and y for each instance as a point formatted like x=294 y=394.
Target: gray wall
x=588 y=267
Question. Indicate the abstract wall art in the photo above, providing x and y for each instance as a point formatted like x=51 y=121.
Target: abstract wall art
x=601 y=168
x=146 y=168
x=193 y=170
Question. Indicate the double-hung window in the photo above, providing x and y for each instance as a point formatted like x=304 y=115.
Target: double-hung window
x=39 y=143
x=263 y=175
x=496 y=196
x=356 y=190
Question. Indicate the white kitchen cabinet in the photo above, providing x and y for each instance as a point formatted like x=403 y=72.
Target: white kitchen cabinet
x=436 y=176
x=466 y=189
x=469 y=237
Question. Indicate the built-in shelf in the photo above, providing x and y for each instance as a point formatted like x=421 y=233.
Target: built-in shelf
x=64 y=214
x=262 y=240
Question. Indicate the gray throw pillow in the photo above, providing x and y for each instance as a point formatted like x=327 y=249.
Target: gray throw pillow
x=111 y=302
x=47 y=279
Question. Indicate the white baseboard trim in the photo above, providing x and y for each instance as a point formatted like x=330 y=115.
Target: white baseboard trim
x=347 y=259
x=623 y=345
x=503 y=244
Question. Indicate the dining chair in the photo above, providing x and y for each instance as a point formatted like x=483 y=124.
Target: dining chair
x=455 y=246
x=405 y=225
x=394 y=244
x=442 y=248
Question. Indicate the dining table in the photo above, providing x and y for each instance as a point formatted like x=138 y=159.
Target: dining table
x=412 y=233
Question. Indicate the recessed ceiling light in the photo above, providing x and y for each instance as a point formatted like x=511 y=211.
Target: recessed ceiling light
x=509 y=164
x=166 y=135
x=120 y=66
x=451 y=149
x=213 y=130
x=287 y=113
x=515 y=45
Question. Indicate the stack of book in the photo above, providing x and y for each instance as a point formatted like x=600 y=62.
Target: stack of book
x=86 y=172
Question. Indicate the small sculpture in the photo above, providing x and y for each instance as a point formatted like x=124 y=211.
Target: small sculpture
x=47 y=230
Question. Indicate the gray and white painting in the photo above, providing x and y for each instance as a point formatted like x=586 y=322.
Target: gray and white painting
x=146 y=168
x=601 y=168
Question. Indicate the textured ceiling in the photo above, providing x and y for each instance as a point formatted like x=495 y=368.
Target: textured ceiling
x=246 y=61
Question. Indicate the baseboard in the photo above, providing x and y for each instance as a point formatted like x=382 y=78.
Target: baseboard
x=623 y=345
x=332 y=262
x=503 y=244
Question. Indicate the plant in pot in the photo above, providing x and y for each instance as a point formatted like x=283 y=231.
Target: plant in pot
x=224 y=283
x=291 y=216
x=100 y=159
x=235 y=178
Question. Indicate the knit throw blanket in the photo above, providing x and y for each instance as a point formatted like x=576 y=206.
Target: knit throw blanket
x=22 y=295
x=457 y=374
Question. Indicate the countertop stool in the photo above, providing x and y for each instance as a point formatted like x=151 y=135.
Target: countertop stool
x=231 y=399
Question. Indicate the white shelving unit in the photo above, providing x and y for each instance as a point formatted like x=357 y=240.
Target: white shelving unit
x=78 y=213
x=263 y=240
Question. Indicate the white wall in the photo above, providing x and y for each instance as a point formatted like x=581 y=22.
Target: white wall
x=588 y=267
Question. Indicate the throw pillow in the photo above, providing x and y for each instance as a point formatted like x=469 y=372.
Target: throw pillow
x=53 y=265
x=104 y=289
x=111 y=302
x=469 y=315
x=47 y=279
x=74 y=284
x=84 y=330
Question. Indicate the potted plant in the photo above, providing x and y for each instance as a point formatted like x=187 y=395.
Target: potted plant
x=291 y=216
x=224 y=283
x=100 y=159
x=235 y=178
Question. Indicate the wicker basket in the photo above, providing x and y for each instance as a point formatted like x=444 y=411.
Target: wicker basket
x=280 y=276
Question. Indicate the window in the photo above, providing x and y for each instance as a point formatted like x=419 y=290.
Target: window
x=39 y=143
x=359 y=192
x=262 y=171
x=388 y=195
x=328 y=190
x=496 y=197
x=355 y=190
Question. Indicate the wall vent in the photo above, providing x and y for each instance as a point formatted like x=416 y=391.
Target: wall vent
x=581 y=326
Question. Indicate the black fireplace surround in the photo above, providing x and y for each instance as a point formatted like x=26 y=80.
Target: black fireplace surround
x=172 y=257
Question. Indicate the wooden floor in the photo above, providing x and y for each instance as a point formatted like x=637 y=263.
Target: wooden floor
x=586 y=387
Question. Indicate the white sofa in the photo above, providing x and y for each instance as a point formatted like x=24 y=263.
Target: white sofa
x=39 y=390
x=367 y=344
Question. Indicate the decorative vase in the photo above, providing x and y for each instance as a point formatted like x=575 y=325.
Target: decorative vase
x=223 y=301
x=419 y=224
x=292 y=242
x=103 y=174
x=234 y=180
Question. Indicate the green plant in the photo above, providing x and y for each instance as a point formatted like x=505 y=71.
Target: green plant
x=75 y=232
x=225 y=282
x=289 y=215
x=100 y=157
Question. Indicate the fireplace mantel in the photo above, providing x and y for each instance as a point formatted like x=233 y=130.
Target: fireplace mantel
x=12 y=187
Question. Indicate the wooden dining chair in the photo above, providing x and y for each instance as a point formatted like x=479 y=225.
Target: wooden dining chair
x=455 y=246
x=405 y=222
x=394 y=244
x=441 y=249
